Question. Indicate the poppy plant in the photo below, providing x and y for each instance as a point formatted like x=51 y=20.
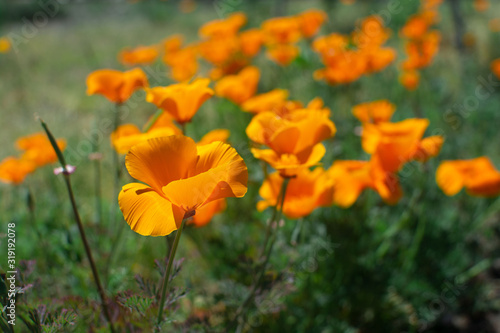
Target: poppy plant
x=310 y=21
x=116 y=86
x=14 y=170
x=179 y=177
x=270 y=101
x=305 y=192
x=479 y=177
x=240 y=87
x=141 y=55
x=181 y=100
x=38 y=149
x=374 y=112
x=294 y=139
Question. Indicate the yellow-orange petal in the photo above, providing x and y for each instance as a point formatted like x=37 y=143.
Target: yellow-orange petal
x=214 y=136
x=428 y=147
x=160 y=161
x=449 y=178
x=219 y=173
x=147 y=212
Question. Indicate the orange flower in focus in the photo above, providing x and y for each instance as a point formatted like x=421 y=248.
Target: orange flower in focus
x=394 y=144
x=37 y=149
x=351 y=178
x=410 y=79
x=481 y=5
x=5 y=45
x=374 y=112
x=181 y=100
x=270 y=101
x=139 y=56
x=240 y=87
x=294 y=139
x=283 y=54
x=116 y=86
x=495 y=67
x=281 y=30
x=251 y=42
x=223 y=28
x=305 y=192
x=478 y=176
x=310 y=21
x=181 y=178
x=14 y=170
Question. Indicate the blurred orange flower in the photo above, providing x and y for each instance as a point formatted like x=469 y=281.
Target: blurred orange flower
x=305 y=192
x=481 y=5
x=283 y=54
x=181 y=100
x=374 y=112
x=478 y=176
x=351 y=178
x=5 y=45
x=181 y=178
x=410 y=79
x=294 y=139
x=281 y=30
x=495 y=67
x=415 y=27
x=214 y=136
x=172 y=44
x=251 y=42
x=394 y=144
x=183 y=63
x=116 y=86
x=310 y=21
x=14 y=170
x=37 y=149
x=223 y=28
x=240 y=87
x=139 y=56
x=128 y=135
x=270 y=101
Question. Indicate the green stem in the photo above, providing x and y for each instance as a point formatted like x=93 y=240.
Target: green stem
x=278 y=210
x=166 y=278
x=88 y=252
x=152 y=121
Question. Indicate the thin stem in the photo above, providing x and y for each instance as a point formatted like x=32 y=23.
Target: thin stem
x=97 y=280
x=116 y=172
x=88 y=252
x=278 y=209
x=166 y=278
x=152 y=121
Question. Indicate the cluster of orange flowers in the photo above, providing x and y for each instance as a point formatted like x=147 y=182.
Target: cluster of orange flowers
x=282 y=33
x=422 y=43
x=347 y=58
x=36 y=152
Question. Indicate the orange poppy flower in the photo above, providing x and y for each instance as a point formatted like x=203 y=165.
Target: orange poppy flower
x=394 y=144
x=165 y=120
x=283 y=54
x=305 y=192
x=240 y=87
x=205 y=213
x=495 y=67
x=172 y=44
x=181 y=100
x=223 y=28
x=481 y=5
x=294 y=139
x=374 y=112
x=415 y=27
x=14 y=170
x=478 y=176
x=281 y=30
x=181 y=178
x=379 y=58
x=219 y=51
x=5 y=45
x=310 y=21
x=270 y=101
x=351 y=178
x=347 y=68
x=183 y=63
x=139 y=56
x=128 y=135
x=214 y=136
x=371 y=33
x=251 y=41
x=348 y=2
x=410 y=79
x=38 y=149
x=116 y=86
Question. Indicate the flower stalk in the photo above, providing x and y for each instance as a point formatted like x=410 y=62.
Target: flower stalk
x=88 y=252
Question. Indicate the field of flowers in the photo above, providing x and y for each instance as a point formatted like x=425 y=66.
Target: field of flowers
x=250 y=166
